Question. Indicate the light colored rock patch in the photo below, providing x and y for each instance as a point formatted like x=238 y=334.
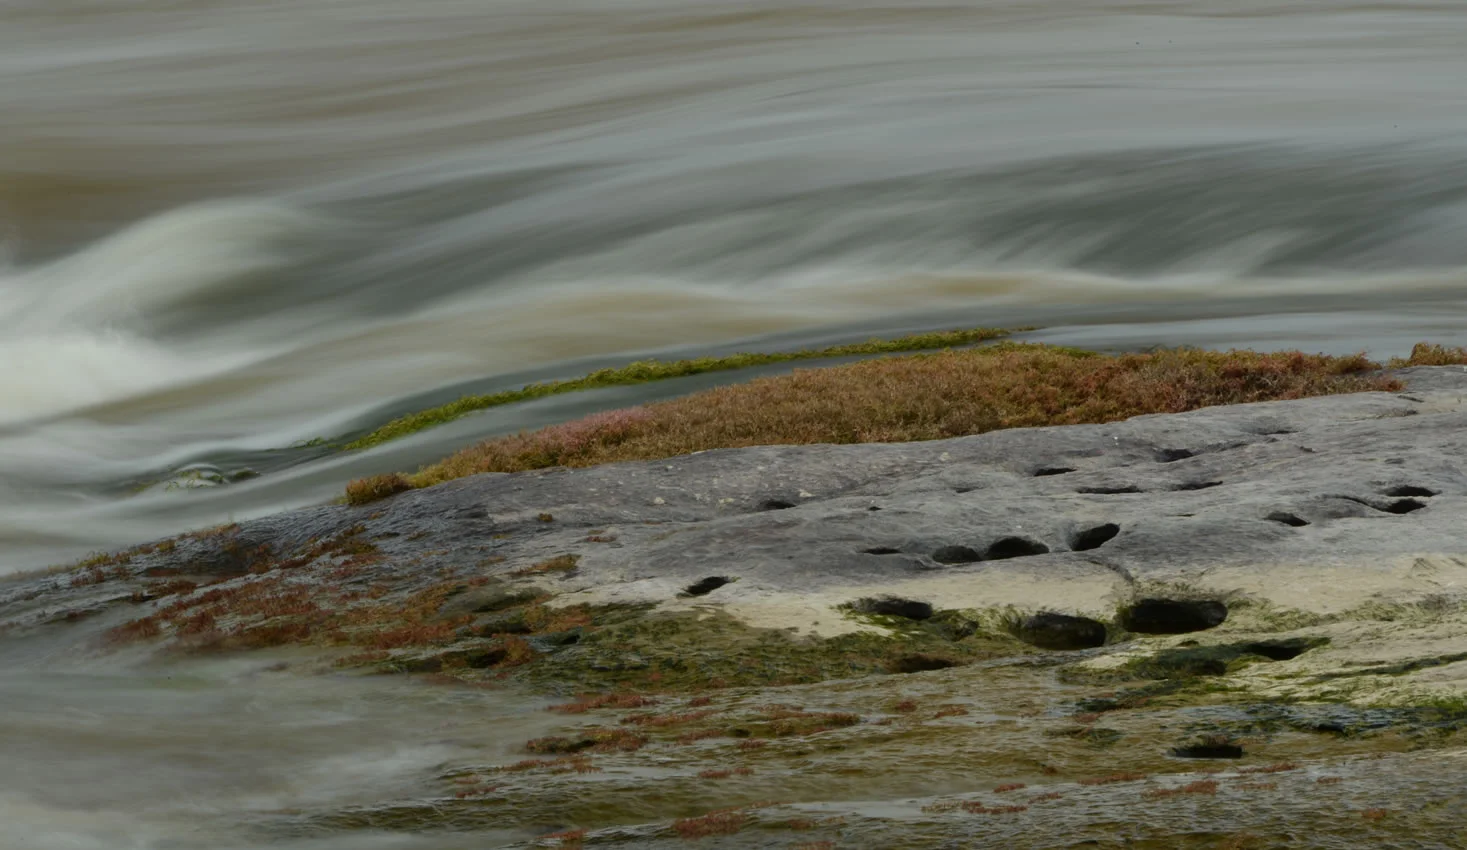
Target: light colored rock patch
x=1335 y=585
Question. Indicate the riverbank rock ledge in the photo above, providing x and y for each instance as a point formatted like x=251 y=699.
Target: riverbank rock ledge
x=1157 y=525
x=1090 y=612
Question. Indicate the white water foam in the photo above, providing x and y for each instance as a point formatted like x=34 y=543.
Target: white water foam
x=76 y=332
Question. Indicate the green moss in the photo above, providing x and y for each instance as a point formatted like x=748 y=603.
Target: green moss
x=1219 y=659
x=632 y=649
x=1429 y=609
x=1341 y=721
x=645 y=371
x=1260 y=615
x=1455 y=705
x=1399 y=668
x=1098 y=736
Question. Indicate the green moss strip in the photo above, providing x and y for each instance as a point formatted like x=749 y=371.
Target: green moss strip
x=646 y=371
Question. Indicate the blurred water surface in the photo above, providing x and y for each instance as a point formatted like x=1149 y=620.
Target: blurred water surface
x=231 y=227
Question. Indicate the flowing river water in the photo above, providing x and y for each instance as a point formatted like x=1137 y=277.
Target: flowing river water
x=231 y=229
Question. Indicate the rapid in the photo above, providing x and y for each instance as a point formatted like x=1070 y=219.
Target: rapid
x=229 y=230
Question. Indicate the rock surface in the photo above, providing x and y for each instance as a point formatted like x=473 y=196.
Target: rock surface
x=1282 y=586
x=1317 y=505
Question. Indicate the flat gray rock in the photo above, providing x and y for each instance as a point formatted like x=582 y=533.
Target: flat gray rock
x=1318 y=504
x=1081 y=619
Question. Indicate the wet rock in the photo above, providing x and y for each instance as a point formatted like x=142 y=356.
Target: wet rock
x=1014 y=547
x=1286 y=518
x=920 y=664
x=1094 y=538
x=483 y=659
x=1411 y=490
x=703 y=587
x=430 y=539
x=1403 y=506
x=1048 y=630
x=483 y=600
x=505 y=623
x=1186 y=663
x=1098 y=736
x=952 y=625
x=893 y=606
x=1281 y=650
x=1210 y=747
x=956 y=555
x=620 y=663
x=1172 y=616
x=425 y=664
x=1189 y=661
x=555 y=640
x=1196 y=485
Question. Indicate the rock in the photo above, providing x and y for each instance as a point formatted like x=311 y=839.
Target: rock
x=1210 y=747
x=503 y=623
x=1048 y=630
x=1333 y=553
x=1279 y=499
x=1014 y=547
x=556 y=640
x=1330 y=504
x=1280 y=650
x=705 y=586
x=956 y=555
x=481 y=600
x=1094 y=538
x=1172 y=616
x=920 y=664
x=891 y=606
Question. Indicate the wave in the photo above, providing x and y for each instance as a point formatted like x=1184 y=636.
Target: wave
x=85 y=329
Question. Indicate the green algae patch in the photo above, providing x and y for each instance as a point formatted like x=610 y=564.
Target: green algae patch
x=792 y=736
x=647 y=371
x=688 y=652
x=1261 y=615
x=1217 y=660
x=495 y=630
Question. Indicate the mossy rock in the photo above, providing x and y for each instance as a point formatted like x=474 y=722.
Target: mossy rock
x=1049 y=630
x=682 y=651
x=1219 y=659
x=1157 y=616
